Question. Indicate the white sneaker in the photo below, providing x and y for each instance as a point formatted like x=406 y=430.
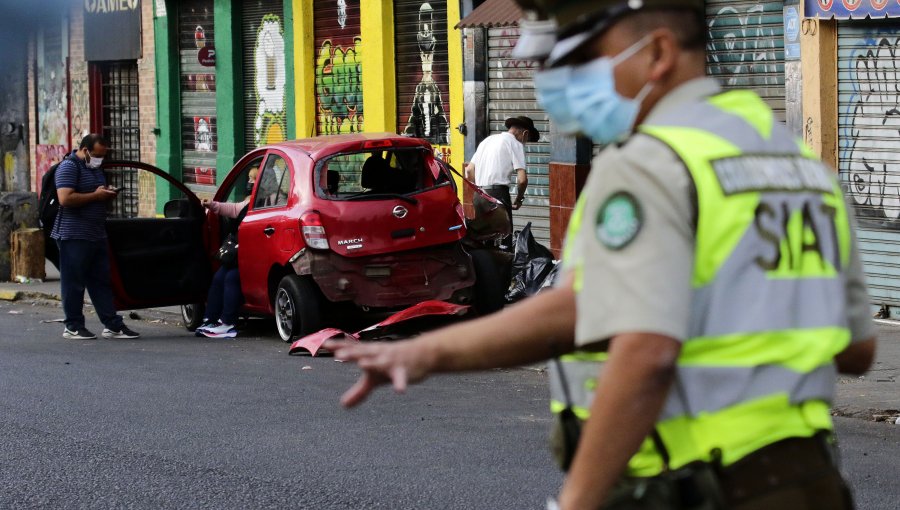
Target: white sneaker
x=206 y=325
x=220 y=331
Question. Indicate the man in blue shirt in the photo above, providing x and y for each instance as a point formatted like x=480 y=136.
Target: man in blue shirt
x=80 y=233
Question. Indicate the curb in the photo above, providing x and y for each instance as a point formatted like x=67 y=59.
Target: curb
x=19 y=295
x=9 y=295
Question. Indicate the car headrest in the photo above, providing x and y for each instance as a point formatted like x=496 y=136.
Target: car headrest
x=374 y=172
x=333 y=179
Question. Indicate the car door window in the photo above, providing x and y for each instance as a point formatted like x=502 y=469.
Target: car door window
x=274 y=183
x=241 y=188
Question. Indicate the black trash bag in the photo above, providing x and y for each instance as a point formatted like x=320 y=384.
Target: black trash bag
x=551 y=277
x=531 y=264
x=529 y=281
x=527 y=248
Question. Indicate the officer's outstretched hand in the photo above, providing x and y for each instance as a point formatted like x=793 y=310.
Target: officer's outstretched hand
x=398 y=363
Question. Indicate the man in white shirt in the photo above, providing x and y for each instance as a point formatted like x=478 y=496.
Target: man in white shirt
x=497 y=158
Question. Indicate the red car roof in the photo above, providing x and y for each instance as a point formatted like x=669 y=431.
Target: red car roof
x=322 y=146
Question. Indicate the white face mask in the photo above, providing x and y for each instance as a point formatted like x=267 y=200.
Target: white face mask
x=92 y=161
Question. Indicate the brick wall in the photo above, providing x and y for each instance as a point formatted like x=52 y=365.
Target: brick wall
x=78 y=76
x=32 y=115
x=147 y=77
x=147 y=100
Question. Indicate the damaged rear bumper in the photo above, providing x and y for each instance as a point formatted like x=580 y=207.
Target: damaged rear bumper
x=392 y=280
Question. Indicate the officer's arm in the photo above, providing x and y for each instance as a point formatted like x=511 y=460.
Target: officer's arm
x=535 y=329
x=630 y=395
x=856 y=358
x=470 y=171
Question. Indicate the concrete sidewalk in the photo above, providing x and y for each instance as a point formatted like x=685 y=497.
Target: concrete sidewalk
x=874 y=396
x=48 y=290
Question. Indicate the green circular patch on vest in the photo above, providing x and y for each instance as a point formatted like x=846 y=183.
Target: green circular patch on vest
x=619 y=220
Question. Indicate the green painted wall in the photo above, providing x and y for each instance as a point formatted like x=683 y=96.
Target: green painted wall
x=289 y=70
x=229 y=87
x=168 y=142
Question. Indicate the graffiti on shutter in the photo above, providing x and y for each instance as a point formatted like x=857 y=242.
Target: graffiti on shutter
x=264 y=73
x=745 y=47
x=423 y=79
x=869 y=148
x=511 y=94
x=338 y=43
x=198 y=94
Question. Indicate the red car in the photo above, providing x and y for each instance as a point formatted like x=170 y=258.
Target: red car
x=371 y=220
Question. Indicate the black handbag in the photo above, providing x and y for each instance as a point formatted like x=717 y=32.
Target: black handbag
x=228 y=252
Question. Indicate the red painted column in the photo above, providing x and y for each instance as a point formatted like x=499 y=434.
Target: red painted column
x=566 y=183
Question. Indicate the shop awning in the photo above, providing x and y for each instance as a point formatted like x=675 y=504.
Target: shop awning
x=851 y=9
x=493 y=13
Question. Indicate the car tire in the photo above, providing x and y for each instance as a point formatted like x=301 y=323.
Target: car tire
x=192 y=315
x=297 y=308
x=490 y=288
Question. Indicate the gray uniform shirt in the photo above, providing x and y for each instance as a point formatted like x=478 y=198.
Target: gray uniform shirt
x=646 y=286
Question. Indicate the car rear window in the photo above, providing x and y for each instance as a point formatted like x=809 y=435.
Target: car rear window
x=379 y=172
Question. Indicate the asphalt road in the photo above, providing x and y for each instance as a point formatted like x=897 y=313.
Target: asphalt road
x=175 y=421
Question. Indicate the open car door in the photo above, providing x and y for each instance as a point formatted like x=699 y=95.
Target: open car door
x=156 y=259
x=490 y=220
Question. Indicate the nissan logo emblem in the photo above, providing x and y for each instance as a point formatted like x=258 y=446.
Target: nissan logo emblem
x=400 y=212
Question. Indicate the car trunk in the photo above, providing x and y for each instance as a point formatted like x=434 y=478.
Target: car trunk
x=388 y=202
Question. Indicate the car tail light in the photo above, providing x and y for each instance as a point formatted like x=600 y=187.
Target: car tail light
x=375 y=144
x=313 y=230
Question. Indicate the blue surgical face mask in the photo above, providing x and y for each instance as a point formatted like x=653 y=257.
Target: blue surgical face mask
x=550 y=86
x=602 y=113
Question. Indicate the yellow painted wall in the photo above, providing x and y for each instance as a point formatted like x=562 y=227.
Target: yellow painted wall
x=457 y=107
x=304 y=69
x=378 y=69
x=818 y=52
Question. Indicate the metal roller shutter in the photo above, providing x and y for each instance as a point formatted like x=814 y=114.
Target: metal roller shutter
x=423 y=77
x=198 y=94
x=264 y=54
x=510 y=94
x=745 y=47
x=337 y=39
x=869 y=148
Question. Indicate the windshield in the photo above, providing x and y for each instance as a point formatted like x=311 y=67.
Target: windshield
x=378 y=173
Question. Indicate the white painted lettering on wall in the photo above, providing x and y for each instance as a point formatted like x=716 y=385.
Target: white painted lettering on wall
x=742 y=44
x=101 y=6
x=870 y=133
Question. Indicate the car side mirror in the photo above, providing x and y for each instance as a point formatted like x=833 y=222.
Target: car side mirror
x=178 y=208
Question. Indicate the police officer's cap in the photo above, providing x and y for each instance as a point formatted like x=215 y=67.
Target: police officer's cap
x=575 y=22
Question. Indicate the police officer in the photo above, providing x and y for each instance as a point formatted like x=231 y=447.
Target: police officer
x=712 y=285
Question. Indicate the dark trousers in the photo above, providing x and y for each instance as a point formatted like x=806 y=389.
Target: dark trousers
x=225 y=297
x=795 y=474
x=85 y=265
x=501 y=193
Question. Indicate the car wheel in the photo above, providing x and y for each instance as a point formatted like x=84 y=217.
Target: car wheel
x=296 y=308
x=490 y=289
x=192 y=316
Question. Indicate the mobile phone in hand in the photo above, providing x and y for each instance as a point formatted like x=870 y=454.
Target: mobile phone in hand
x=118 y=189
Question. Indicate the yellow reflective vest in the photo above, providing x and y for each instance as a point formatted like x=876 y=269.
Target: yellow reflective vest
x=768 y=297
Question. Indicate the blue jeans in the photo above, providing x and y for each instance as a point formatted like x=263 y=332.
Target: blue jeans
x=85 y=265
x=225 y=297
